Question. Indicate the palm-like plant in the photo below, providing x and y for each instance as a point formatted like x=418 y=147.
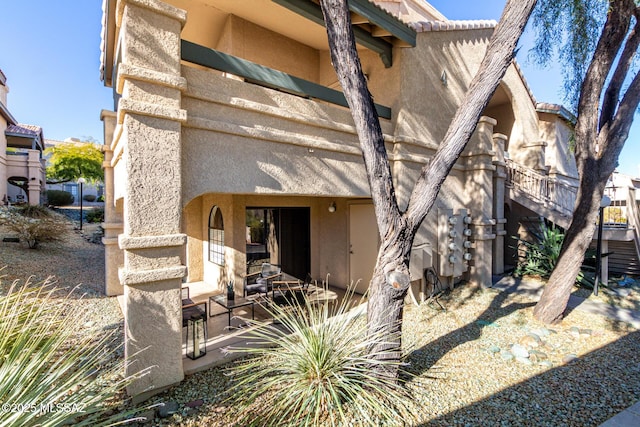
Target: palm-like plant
x=314 y=368
x=49 y=375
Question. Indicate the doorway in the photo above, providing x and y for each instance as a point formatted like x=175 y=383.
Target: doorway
x=279 y=236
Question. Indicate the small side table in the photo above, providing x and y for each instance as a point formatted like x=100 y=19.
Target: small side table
x=230 y=305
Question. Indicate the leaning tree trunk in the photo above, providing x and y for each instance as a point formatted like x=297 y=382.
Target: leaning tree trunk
x=555 y=296
x=397 y=229
x=601 y=130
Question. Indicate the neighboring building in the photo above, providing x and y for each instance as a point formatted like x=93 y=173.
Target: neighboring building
x=229 y=143
x=95 y=189
x=22 y=172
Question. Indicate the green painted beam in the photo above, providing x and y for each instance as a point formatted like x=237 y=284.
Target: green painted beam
x=265 y=76
x=312 y=11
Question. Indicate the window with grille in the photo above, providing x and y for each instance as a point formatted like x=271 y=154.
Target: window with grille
x=216 y=236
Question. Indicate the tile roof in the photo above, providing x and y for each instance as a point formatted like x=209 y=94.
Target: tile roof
x=21 y=130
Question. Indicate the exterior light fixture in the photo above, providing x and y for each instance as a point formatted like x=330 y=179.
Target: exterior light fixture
x=81 y=182
x=606 y=201
x=332 y=207
x=196 y=336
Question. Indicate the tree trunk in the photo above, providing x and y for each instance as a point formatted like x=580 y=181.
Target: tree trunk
x=553 y=302
x=397 y=229
x=600 y=136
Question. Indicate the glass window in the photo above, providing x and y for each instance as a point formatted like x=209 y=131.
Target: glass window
x=216 y=236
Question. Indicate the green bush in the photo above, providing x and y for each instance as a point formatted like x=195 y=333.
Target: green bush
x=316 y=369
x=95 y=215
x=100 y=199
x=34 y=224
x=539 y=258
x=50 y=375
x=59 y=198
x=89 y=197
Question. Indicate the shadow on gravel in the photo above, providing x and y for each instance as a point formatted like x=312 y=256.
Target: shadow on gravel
x=423 y=358
x=585 y=392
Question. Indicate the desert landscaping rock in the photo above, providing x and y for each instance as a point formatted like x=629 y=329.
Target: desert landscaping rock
x=519 y=351
x=461 y=378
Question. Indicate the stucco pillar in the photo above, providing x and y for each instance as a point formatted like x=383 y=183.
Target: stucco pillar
x=149 y=124
x=34 y=167
x=112 y=225
x=479 y=183
x=499 y=179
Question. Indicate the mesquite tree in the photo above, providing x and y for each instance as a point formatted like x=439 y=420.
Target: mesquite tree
x=397 y=228
x=608 y=99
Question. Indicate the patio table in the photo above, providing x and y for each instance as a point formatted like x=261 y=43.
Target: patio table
x=230 y=305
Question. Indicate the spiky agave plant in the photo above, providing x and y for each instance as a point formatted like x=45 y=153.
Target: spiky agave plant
x=50 y=376
x=315 y=368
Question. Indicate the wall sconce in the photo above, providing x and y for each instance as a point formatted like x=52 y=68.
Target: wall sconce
x=332 y=207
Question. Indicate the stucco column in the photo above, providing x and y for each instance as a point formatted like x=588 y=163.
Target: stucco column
x=112 y=225
x=499 y=179
x=149 y=176
x=479 y=183
x=34 y=166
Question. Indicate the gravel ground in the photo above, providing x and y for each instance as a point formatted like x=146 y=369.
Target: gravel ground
x=469 y=373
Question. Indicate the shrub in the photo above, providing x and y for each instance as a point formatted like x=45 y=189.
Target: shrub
x=89 y=197
x=34 y=224
x=539 y=257
x=49 y=375
x=100 y=199
x=315 y=370
x=95 y=215
x=59 y=198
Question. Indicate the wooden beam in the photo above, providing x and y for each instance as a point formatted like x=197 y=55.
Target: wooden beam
x=312 y=11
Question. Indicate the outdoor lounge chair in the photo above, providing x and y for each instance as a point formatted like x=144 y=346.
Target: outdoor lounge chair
x=261 y=282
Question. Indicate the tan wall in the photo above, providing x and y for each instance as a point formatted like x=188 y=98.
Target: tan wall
x=556 y=133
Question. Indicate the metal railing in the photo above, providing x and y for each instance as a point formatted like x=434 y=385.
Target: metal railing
x=550 y=192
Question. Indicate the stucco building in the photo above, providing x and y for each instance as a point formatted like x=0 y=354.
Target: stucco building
x=22 y=169
x=230 y=142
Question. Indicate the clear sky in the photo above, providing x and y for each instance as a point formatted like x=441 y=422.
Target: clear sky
x=50 y=53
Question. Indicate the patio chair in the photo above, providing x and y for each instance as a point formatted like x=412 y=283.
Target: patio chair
x=190 y=308
x=261 y=282
x=286 y=291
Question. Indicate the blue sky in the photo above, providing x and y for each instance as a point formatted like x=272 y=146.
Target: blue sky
x=50 y=53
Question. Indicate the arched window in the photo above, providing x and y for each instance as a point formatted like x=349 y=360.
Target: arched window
x=216 y=236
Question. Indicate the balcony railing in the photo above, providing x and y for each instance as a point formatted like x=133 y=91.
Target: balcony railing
x=264 y=76
x=550 y=192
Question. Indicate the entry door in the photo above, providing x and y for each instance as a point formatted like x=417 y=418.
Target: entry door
x=363 y=245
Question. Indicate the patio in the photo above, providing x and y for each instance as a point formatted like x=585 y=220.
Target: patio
x=220 y=336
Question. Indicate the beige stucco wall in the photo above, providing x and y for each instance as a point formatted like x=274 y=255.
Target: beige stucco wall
x=556 y=132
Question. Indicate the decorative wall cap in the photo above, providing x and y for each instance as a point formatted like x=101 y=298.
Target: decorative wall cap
x=426 y=26
x=128 y=277
x=146 y=242
x=559 y=110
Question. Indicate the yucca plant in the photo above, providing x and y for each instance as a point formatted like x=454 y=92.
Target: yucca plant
x=540 y=256
x=315 y=368
x=49 y=375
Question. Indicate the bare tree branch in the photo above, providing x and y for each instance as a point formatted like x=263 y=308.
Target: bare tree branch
x=610 y=100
